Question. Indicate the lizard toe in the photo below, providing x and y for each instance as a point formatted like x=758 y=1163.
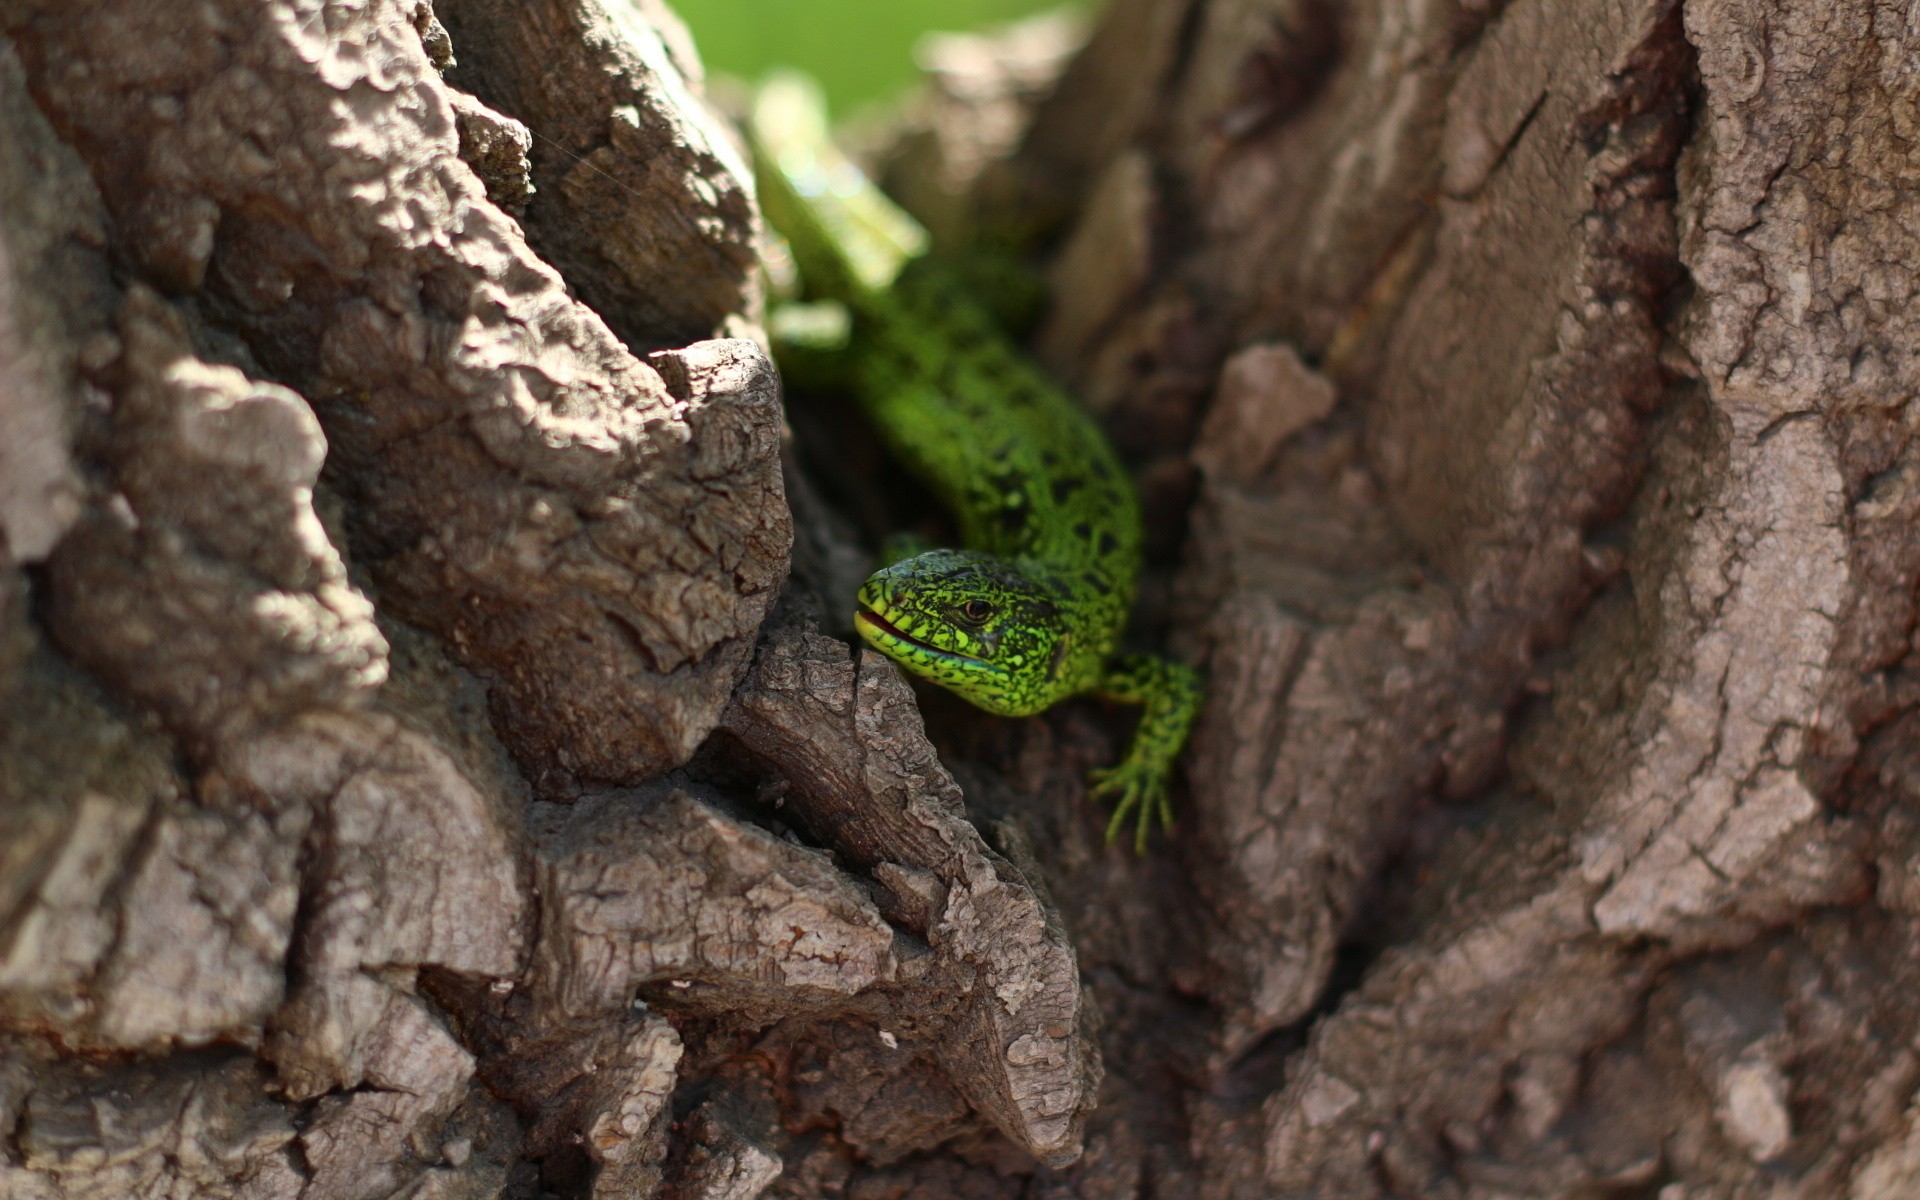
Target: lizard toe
x=1138 y=793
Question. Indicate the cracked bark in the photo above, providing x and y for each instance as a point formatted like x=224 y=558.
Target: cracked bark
x=420 y=773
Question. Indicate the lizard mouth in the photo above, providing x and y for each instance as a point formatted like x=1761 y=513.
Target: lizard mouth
x=869 y=622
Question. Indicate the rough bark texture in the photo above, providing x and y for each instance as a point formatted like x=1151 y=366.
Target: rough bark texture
x=419 y=774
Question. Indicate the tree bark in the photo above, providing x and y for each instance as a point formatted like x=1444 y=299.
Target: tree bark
x=432 y=761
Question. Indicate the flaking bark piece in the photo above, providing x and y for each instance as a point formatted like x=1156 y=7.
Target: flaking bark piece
x=130 y=915
x=206 y=915
x=659 y=893
x=1265 y=396
x=864 y=779
x=723 y=1161
x=204 y=586
x=409 y=865
x=369 y=1143
x=54 y=299
x=603 y=1093
x=199 y=1124
x=495 y=146
x=890 y=1098
x=599 y=548
x=641 y=196
x=663 y=891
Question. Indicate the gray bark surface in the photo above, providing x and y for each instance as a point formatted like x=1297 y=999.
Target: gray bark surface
x=432 y=764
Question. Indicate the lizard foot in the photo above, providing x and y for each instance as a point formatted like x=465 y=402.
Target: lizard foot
x=1140 y=790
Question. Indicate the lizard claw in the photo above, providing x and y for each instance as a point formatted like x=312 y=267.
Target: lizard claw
x=1139 y=790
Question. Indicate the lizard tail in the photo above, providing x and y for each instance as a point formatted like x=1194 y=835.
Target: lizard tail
x=847 y=238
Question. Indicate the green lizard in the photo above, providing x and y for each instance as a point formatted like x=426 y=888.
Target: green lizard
x=1032 y=609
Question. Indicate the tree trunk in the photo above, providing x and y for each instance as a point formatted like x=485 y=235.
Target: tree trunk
x=431 y=758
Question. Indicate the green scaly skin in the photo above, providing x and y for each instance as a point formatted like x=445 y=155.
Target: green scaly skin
x=1031 y=610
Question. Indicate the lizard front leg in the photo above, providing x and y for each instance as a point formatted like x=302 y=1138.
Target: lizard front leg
x=1138 y=783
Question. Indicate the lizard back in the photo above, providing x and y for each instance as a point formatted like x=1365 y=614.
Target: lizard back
x=1023 y=469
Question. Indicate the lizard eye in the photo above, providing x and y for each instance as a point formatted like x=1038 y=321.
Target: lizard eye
x=976 y=611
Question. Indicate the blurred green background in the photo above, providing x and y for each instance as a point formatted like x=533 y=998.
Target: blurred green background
x=860 y=50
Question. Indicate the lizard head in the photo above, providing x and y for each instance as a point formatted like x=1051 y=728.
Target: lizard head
x=972 y=623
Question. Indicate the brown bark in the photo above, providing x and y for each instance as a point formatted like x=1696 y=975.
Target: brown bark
x=422 y=774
